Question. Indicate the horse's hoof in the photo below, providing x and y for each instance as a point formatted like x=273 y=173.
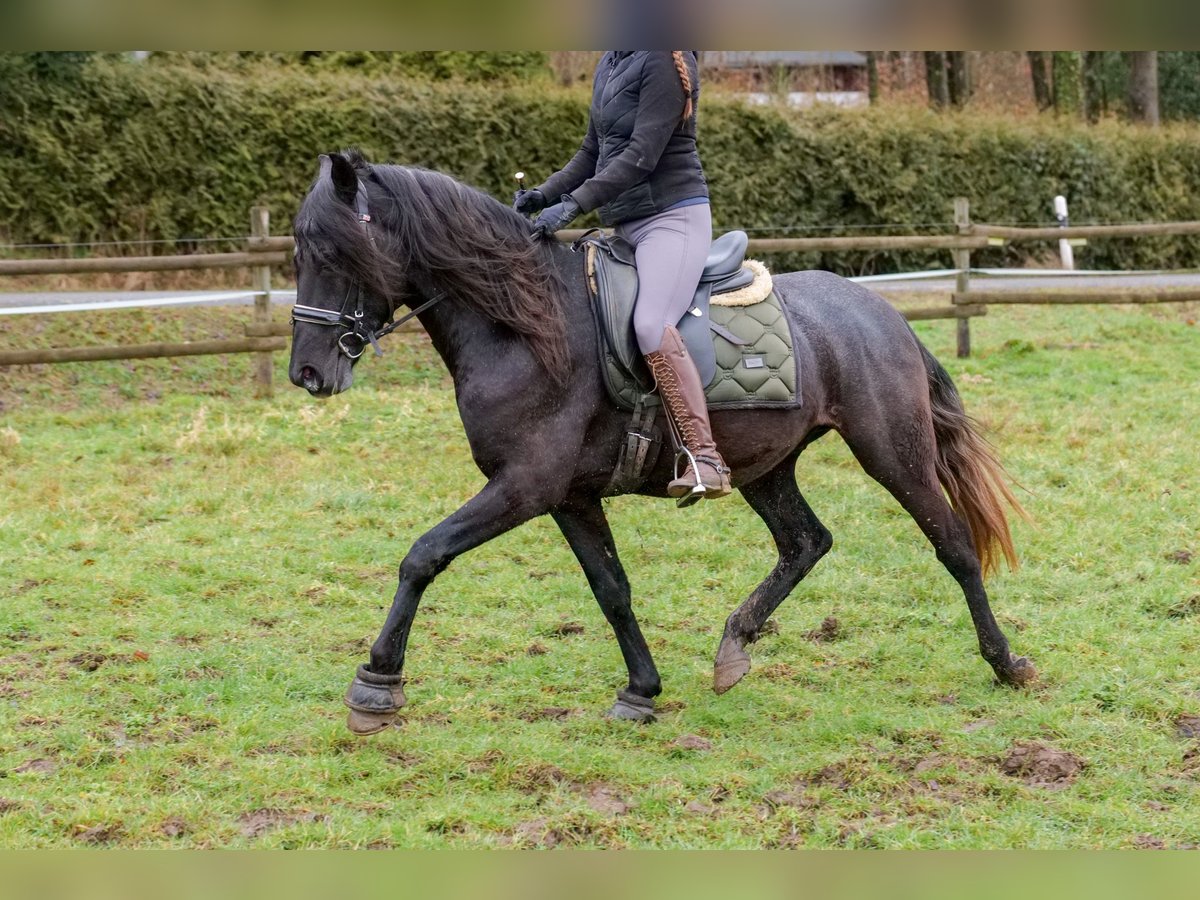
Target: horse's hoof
x=731 y=666
x=374 y=701
x=365 y=724
x=1018 y=673
x=632 y=708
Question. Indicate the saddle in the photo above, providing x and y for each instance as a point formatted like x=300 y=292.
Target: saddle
x=613 y=277
x=735 y=329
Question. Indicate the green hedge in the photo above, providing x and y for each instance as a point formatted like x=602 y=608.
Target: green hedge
x=114 y=150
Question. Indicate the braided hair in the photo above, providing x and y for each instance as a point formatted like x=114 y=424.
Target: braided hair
x=686 y=77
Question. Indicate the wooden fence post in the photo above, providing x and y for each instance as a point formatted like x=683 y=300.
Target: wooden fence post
x=260 y=227
x=962 y=281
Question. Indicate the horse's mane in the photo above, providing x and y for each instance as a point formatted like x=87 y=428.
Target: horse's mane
x=430 y=227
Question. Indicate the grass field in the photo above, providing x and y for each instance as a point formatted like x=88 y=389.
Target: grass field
x=188 y=577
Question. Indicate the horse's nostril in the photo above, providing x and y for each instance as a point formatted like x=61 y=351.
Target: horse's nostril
x=310 y=379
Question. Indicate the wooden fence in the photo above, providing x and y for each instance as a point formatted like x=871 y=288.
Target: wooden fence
x=262 y=336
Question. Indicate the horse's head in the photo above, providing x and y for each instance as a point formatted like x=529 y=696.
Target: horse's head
x=337 y=314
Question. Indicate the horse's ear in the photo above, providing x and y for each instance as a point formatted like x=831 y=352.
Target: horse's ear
x=345 y=179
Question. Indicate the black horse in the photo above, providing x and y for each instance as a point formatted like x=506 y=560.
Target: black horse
x=511 y=318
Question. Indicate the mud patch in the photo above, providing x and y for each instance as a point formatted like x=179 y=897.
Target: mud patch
x=692 y=742
x=538 y=778
x=1148 y=842
x=260 y=821
x=550 y=712
x=1039 y=765
x=786 y=798
x=1191 y=759
x=828 y=631
x=89 y=661
x=565 y=629
x=605 y=800
x=173 y=828
x=36 y=767
x=535 y=833
x=1188 y=726
x=98 y=834
x=536 y=649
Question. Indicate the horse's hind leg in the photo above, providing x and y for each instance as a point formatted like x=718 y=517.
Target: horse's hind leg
x=801 y=540
x=900 y=456
x=585 y=527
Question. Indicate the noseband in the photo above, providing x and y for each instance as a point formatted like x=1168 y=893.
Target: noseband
x=354 y=339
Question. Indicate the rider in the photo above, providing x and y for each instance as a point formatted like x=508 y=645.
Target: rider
x=638 y=165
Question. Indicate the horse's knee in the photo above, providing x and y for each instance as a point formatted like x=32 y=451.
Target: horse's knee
x=422 y=563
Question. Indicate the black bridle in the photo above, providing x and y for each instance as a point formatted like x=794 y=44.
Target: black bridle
x=353 y=341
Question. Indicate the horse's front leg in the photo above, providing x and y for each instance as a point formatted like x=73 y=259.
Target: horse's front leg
x=376 y=694
x=585 y=527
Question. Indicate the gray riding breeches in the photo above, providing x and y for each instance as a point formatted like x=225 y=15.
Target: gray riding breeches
x=670 y=250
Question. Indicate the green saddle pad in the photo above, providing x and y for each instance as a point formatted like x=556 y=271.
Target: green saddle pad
x=763 y=374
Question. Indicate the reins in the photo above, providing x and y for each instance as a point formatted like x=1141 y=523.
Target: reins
x=357 y=332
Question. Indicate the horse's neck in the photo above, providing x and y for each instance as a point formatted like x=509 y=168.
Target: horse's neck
x=469 y=343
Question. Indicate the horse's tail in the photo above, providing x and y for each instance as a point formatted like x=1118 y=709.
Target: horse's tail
x=970 y=472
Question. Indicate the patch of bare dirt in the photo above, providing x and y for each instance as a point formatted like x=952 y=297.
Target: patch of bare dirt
x=550 y=712
x=1181 y=557
x=37 y=766
x=89 y=661
x=838 y=775
x=828 y=631
x=606 y=800
x=1039 y=765
x=568 y=628
x=173 y=827
x=260 y=821
x=535 y=833
x=1188 y=726
x=692 y=742
x=700 y=808
x=1149 y=842
x=790 y=798
x=539 y=777
x=536 y=649
x=1191 y=759
x=98 y=834
x=7 y=805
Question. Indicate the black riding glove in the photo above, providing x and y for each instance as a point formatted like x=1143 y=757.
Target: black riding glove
x=560 y=215
x=528 y=202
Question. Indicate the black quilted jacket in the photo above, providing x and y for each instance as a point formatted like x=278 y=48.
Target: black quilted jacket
x=638 y=158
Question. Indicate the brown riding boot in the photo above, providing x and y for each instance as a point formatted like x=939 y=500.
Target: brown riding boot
x=706 y=475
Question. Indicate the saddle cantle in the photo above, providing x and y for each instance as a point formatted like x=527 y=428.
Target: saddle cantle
x=743 y=352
